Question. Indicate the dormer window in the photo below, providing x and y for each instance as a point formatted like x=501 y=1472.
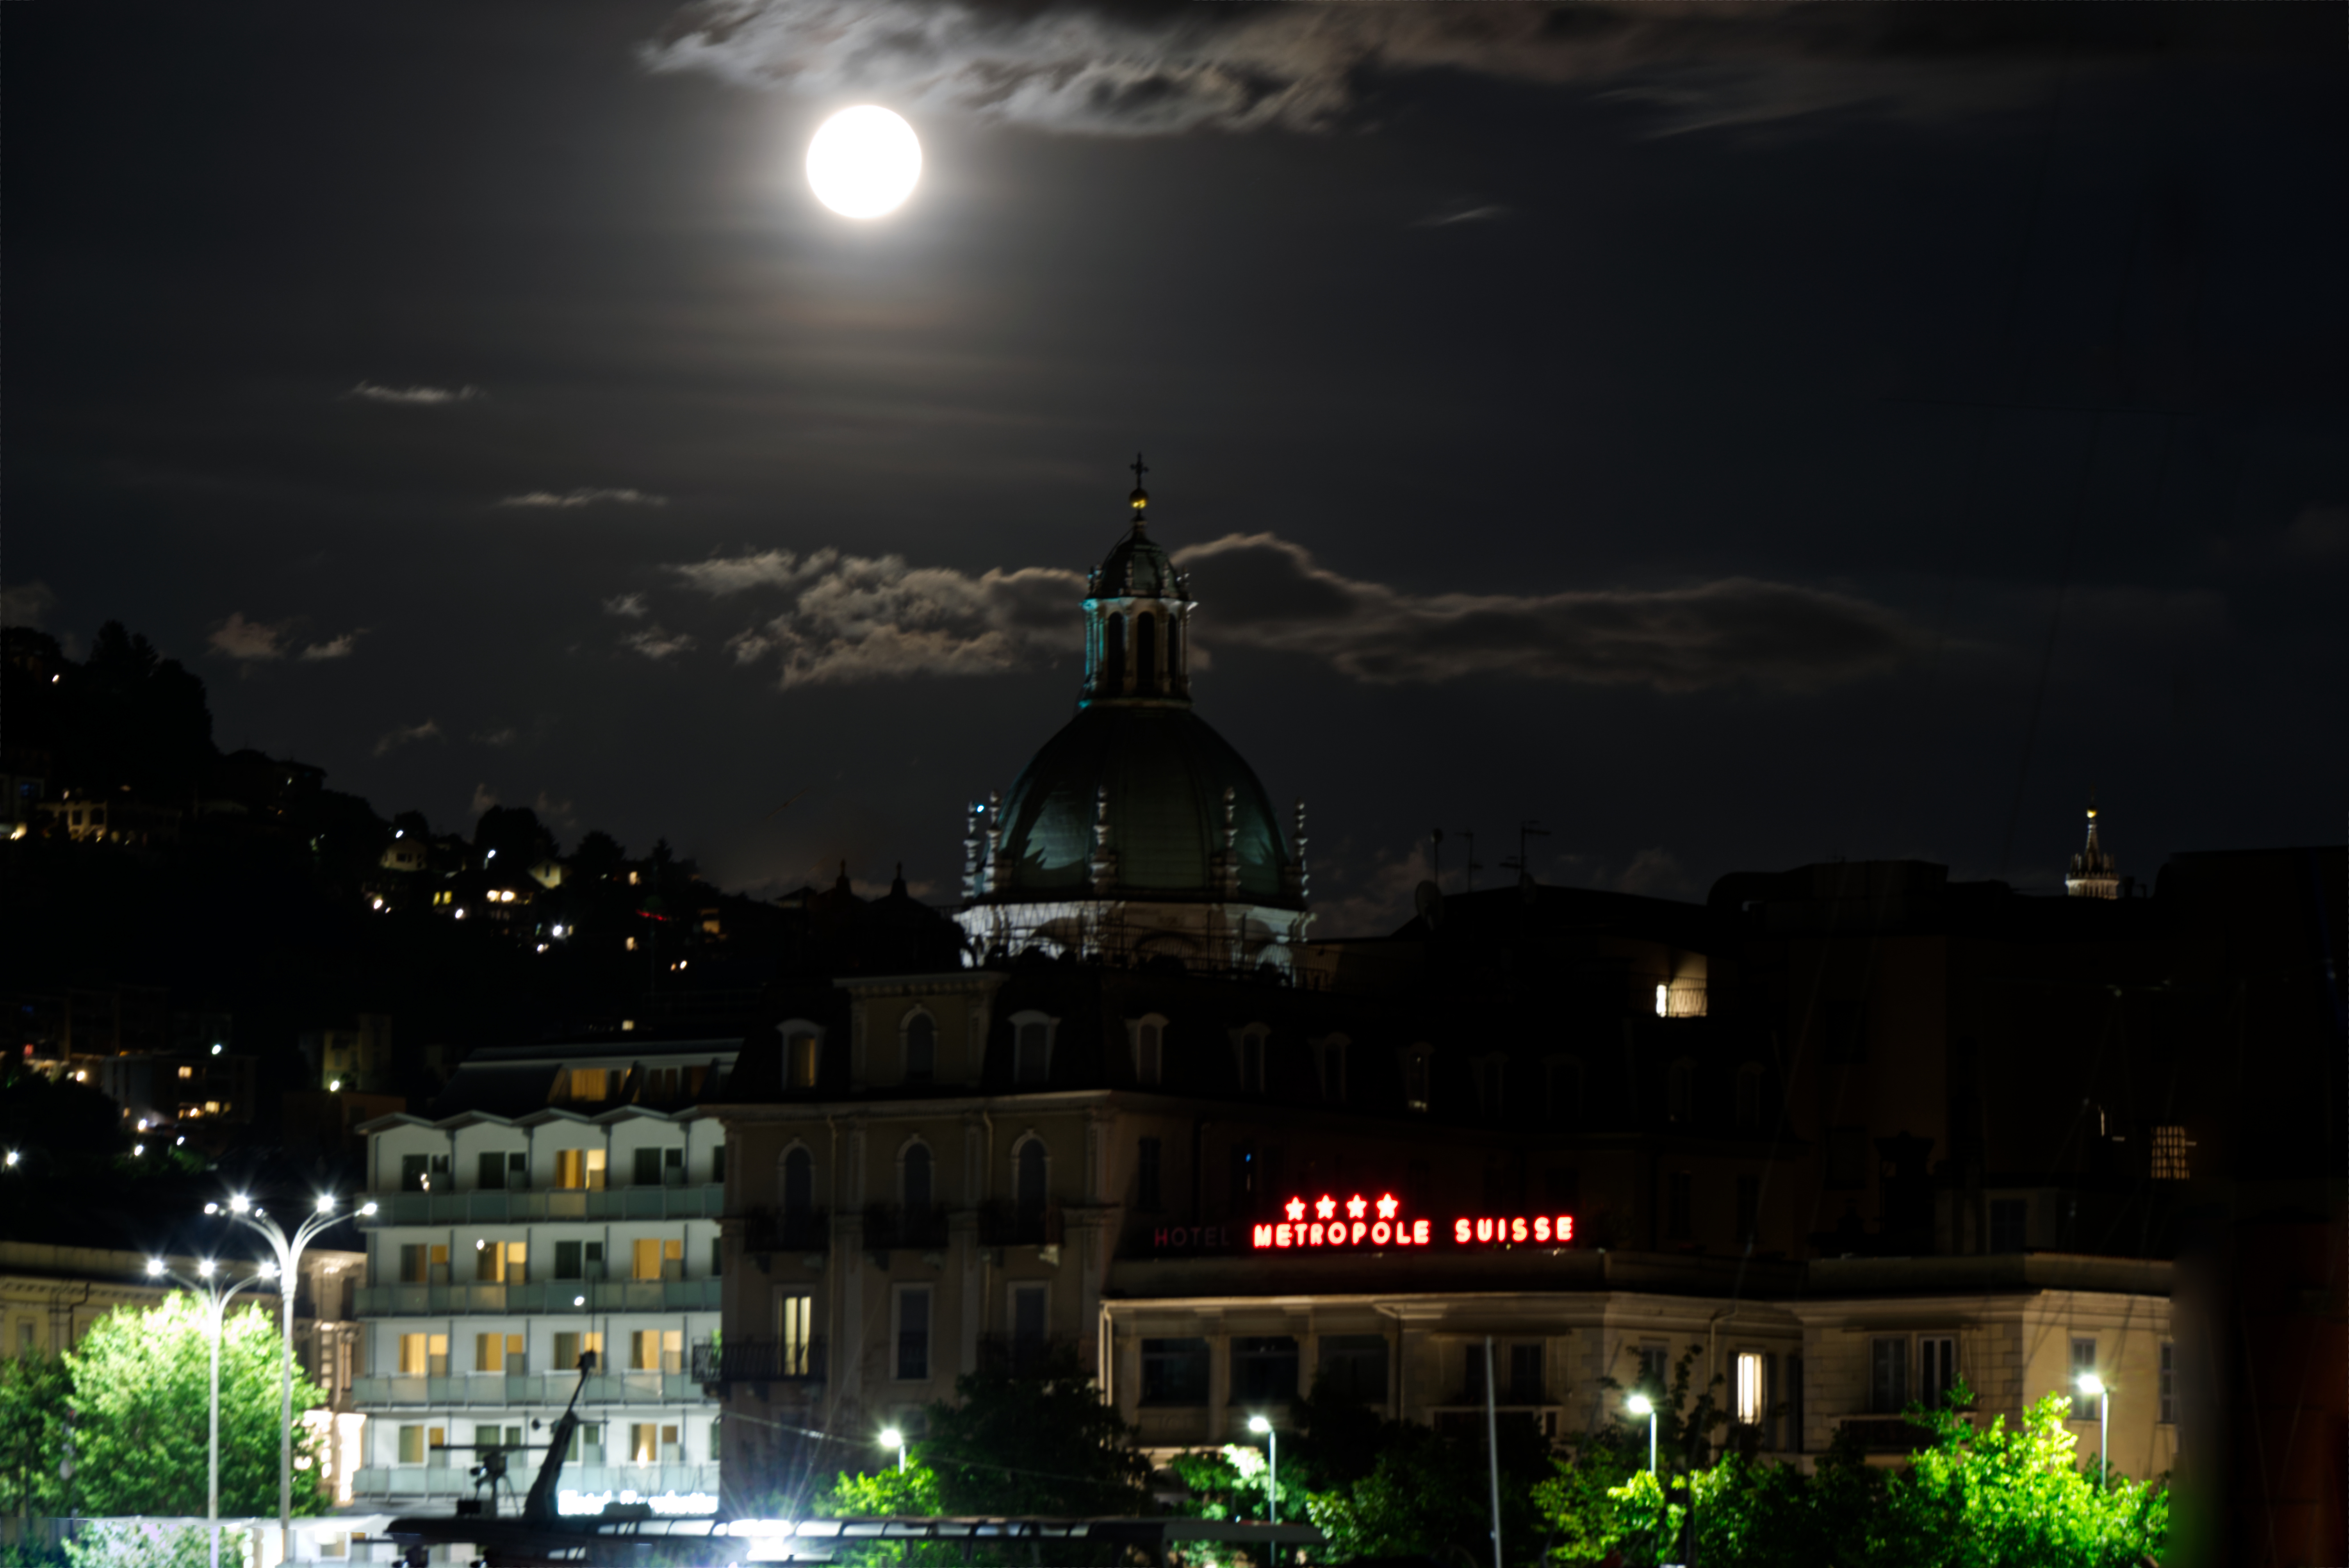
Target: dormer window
x=1330 y=1056
x=1031 y=1048
x=1250 y=1043
x=921 y=1047
x=802 y=1052
x=1417 y=1072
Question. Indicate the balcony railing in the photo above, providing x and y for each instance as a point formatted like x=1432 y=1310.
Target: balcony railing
x=1002 y=1224
x=758 y=1361
x=895 y=1225
x=452 y=1481
x=558 y=1295
x=500 y=1206
x=485 y=1388
x=787 y=1230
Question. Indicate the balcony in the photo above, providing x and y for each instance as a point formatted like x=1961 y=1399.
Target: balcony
x=1002 y=1224
x=504 y=1207
x=787 y=1230
x=758 y=1361
x=387 y=1482
x=888 y=1225
x=560 y=1295
x=479 y=1389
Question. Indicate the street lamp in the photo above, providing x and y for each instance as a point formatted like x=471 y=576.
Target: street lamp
x=1263 y=1429
x=1641 y=1405
x=254 y=1218
x=2093 y=1388
x=216 y=1298
x=891 y=1437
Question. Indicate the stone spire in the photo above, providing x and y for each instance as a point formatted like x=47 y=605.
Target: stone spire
x=2094 y=873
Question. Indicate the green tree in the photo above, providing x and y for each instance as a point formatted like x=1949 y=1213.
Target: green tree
x=888 y=1492
x=35 y=1394
x=1042 y=1442
x=1428 y=1494
x=142 y=1389
x=138 y=1543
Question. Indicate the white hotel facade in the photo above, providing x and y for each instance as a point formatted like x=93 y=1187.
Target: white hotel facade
x=561 y=1199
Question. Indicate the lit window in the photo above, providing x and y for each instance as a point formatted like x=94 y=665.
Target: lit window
x=1663 y=1001
x=2169 y=1147
x=1749 y=1398
x=1416 y=1073
x=187 y=1072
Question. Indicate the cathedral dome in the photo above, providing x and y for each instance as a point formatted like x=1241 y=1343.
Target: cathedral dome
x=1136 y=568
x=1165 y=771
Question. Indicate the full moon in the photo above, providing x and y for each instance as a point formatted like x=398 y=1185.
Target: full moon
x=863 y=161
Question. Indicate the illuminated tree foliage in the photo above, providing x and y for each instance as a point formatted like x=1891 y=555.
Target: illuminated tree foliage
x=143 y=1391
x=35 y=1396
x=1973 y=1497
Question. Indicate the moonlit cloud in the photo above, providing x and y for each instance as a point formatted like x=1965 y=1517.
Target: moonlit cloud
x=415 y=396
x=1097 y=68
x=332 y=648
x=248 y=642
x=590 y=496
x=656 y=644
x=393 y=739
x=631 y=605
x=852 y=618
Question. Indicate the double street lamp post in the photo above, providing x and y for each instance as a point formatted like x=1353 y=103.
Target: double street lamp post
x=254 y=1218
x=1264 y=1428
x=216 y=1293
x=2093 y=1388
x=1641 y=1405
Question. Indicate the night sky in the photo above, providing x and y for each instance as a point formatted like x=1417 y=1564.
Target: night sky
x=1733 y=436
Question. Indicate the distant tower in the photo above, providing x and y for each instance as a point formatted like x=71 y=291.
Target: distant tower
x=2094 y=873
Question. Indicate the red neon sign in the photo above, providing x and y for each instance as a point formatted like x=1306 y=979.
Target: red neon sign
x=1328 y=1222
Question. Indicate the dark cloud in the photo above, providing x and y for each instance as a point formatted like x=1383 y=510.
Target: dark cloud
x=584 y=496
x=27 y=604
x=1270 y=594
x=1155 y=69
x=393 y=739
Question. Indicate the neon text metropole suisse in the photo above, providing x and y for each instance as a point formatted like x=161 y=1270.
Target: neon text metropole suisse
x=1359 y=1221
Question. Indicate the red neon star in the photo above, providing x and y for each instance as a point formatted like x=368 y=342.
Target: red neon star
x=1387 y=1207
x=1355 y=1207
x=1327 y=1209
x=1296 y=1208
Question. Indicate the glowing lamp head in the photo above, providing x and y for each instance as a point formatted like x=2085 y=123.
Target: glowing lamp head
x=1258 y=1425
x=154 y=1268
x=268 y=1271
x=212 y=1208
x=863 y=162
x=367 y=1209
x=2092 y=1386
x=325 y=1203
x=1639 y=1405
x=891 y=1437
x=241 y=1204
x=205 y=1268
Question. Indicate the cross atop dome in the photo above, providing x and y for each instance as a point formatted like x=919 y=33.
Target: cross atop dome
x=1140 y=498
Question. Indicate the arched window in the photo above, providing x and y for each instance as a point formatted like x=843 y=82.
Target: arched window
x=914 y=1180
x=1149 y=1036
x=1680 y=1090
x=1332 y=1055
x=1175 y=655
x=1145 y=655
x=921 y=1048
x=1029 y=1190
x=1251 y=1044
x=1031 y=1048
x=799 y=1183
x=1112 y=680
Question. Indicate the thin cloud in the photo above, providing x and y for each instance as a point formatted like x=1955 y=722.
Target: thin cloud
x=504 y=736
x=1097 y=68
x=589 y=496
x=1484 y=214
x=333 y=647
x=28 y=605
x=1271 y=593
x=249 y=642
x=415 y=396
x=393 y=739
x=630 y=605
x=656 y=644
x=484 y=798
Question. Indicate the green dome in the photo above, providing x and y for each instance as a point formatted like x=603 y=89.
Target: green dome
x=1166 y=770
x=1136 y=568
